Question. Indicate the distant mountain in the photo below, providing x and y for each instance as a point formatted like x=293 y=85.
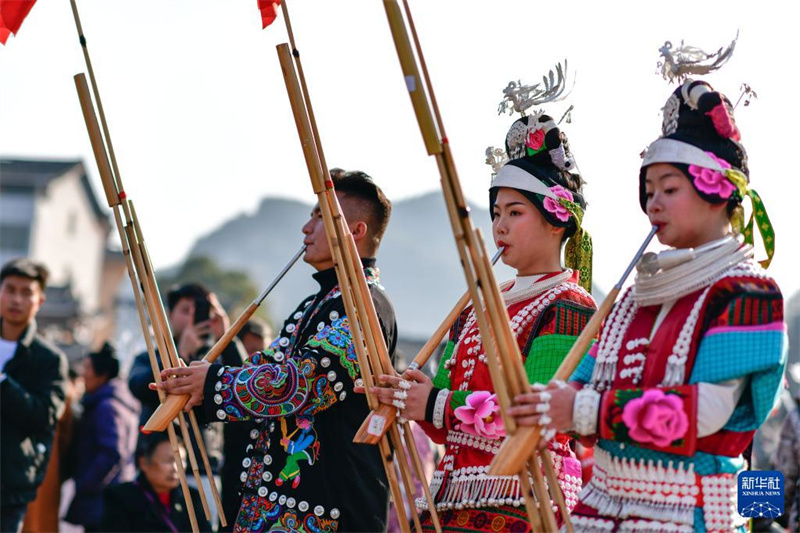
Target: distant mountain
x=418 y=259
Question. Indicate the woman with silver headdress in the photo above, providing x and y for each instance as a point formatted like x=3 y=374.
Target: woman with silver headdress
x=536 y=205
x=690 y=359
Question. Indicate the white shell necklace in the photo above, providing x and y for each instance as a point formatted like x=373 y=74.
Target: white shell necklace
x=695 y=269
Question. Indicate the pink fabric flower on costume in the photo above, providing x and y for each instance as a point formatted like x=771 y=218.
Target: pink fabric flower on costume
x=712 y=181
x=656 y=418
x=535 y=140
x=561 y=212
x=480 y=416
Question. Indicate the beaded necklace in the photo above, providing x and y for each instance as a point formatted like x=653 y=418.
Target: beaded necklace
x=686 y=278
x=605 y=369
x=471 y=339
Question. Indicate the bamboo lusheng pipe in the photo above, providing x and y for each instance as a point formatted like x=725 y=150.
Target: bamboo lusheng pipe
x=515 y=450
x=501 y=349
x=110 y=176
x=386 y=414
x=358 y=303
x=154 y=366
x=338 y=236
x=139 y=262
x=115 y=194
x=174 y=404
x=113 y=198
x=169 y=354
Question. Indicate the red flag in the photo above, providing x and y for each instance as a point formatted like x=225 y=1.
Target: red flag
x=269 y=11
x=12 y=13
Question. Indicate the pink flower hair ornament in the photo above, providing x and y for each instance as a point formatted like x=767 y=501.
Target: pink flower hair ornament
x=557 y=207
x=656 y=418
x=711 y=181
x=480 y=416
x=535 y=141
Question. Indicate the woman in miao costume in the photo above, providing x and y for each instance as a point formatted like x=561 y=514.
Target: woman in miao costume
x=690 y=359
x=536 y=205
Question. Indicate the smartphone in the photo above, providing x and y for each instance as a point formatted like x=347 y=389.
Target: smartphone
x=202 y=310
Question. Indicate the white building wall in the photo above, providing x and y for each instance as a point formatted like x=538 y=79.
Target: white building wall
x=68 y=238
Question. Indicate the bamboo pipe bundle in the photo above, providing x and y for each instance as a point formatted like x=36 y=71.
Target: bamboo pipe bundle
x=117 y=201
x=502 y=352
x=369 y=344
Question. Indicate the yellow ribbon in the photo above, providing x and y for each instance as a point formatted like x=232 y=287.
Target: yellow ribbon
x=759 y=213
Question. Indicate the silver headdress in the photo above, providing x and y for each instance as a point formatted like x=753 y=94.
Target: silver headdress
x=520 y=98
x=684 y=61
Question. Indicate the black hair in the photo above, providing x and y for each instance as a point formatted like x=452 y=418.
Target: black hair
x=542 y=166
x=149 y=442
x=26 y=268
x=195 y=291
x=360 y=185
x=105 y=362
x=255 y=326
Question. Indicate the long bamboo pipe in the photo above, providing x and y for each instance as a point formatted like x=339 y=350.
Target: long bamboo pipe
x=377 y=422
x=174 y=403
x=502 y=351
x=517 y=449
x=329 y=208
x=114 y=202
x=355 y=293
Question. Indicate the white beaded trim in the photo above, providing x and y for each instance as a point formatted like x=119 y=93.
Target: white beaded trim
x=588 y=524
x=439 y=408
x=474 y=441
x=653 y=525
x=720 y=507
x=605 y=367
x=584 y=411
x=518 y=323
x=628 y=488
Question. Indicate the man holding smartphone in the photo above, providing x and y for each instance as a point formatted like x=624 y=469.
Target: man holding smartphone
x=197 y=320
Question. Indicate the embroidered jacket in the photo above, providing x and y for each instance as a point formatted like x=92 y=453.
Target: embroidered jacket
x=545 y=323
x=302 y=471
x=653 y=471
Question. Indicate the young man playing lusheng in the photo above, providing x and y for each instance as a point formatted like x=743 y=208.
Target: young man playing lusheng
x=303 y=471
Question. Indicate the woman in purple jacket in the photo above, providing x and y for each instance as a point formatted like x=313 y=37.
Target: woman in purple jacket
x=106 y=438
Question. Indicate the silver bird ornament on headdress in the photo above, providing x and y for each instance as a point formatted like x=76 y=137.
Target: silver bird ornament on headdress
x=685 y=61
x=519 y=97
x=496 y=158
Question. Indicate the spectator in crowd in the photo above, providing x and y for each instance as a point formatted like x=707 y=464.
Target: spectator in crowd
x=197 y=320
x=787 y=458
x=255 y=336
x=42 y=515
x=153 y=502
x=106 y=442
x=33 y=376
